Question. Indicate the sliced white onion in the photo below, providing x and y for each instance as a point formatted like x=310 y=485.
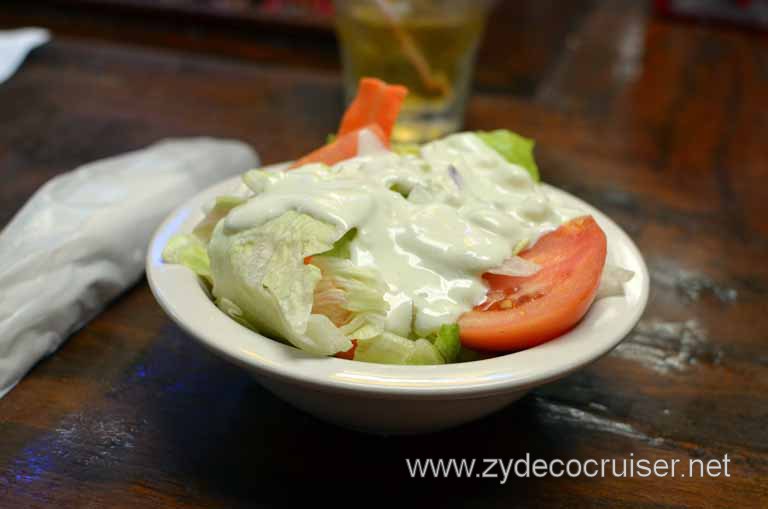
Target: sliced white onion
x=516 y=266
x=612 y=281
x=456 y=176
x=369 y=144
x=492 y=298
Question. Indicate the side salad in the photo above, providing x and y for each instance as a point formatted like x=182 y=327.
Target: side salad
x=374 y=252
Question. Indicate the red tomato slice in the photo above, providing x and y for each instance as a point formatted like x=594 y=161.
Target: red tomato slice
x=522 y=312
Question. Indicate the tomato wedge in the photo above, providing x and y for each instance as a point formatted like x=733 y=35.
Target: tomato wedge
x=343 y=147
x=522 y=312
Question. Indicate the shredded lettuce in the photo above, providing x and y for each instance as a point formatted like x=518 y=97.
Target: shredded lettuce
x=340 y=248
x=219 y=211
x=364 y=326
x=424 y=353
x=352 y=297
x=406 y=149
x=388 y=348
x=514 y=148
x=190 y=251
x=363 y=287
x=261 y=271
x=447 y=342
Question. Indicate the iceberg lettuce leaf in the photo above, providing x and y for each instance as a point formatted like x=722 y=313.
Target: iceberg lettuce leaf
x=424 y=353
x=388 y=348
x=190 y=251
x=514 y=148
x=447 y=342
x=219 y=211
x=352 y=297
x=340 y=248
x=261 y=271
x=363 y=287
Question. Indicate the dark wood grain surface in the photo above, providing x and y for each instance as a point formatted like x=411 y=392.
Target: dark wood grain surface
x=661 y=125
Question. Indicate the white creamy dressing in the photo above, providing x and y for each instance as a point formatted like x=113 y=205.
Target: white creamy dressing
x=465 y=212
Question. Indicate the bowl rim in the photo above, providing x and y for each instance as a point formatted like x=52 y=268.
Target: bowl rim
x=184 y=298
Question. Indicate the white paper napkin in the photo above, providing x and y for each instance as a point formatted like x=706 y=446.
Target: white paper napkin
x=15 y=45
x=82 y=237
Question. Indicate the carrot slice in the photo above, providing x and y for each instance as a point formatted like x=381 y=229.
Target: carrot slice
x=376 y=103
x=343 y=147
x=349 y=354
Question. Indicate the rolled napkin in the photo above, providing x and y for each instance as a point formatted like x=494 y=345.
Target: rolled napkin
x=15 y=45
x=82 y=237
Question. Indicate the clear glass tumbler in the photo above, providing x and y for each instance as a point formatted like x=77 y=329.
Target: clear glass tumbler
x=427 y=45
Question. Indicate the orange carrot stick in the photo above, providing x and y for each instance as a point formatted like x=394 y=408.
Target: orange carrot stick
x=343 y=147
x=376 y=102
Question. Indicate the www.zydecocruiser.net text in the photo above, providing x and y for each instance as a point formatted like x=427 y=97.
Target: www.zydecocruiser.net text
x=526 y=467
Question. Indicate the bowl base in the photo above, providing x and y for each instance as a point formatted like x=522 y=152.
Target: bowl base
x=389 y=416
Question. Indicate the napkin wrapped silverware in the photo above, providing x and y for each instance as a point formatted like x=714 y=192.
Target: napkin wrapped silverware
x=15 y=45
x=82 y=237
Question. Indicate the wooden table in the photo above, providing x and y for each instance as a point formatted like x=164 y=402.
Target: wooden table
x=662 y=125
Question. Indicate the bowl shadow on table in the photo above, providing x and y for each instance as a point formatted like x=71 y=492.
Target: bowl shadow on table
x=222 y=432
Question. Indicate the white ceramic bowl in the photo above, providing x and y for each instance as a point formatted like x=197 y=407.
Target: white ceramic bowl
x=383 y=398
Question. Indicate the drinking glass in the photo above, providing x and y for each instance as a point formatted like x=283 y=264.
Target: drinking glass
x=427 y=45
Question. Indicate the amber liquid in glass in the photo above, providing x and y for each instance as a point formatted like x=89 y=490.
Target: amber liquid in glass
x=372 y=45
